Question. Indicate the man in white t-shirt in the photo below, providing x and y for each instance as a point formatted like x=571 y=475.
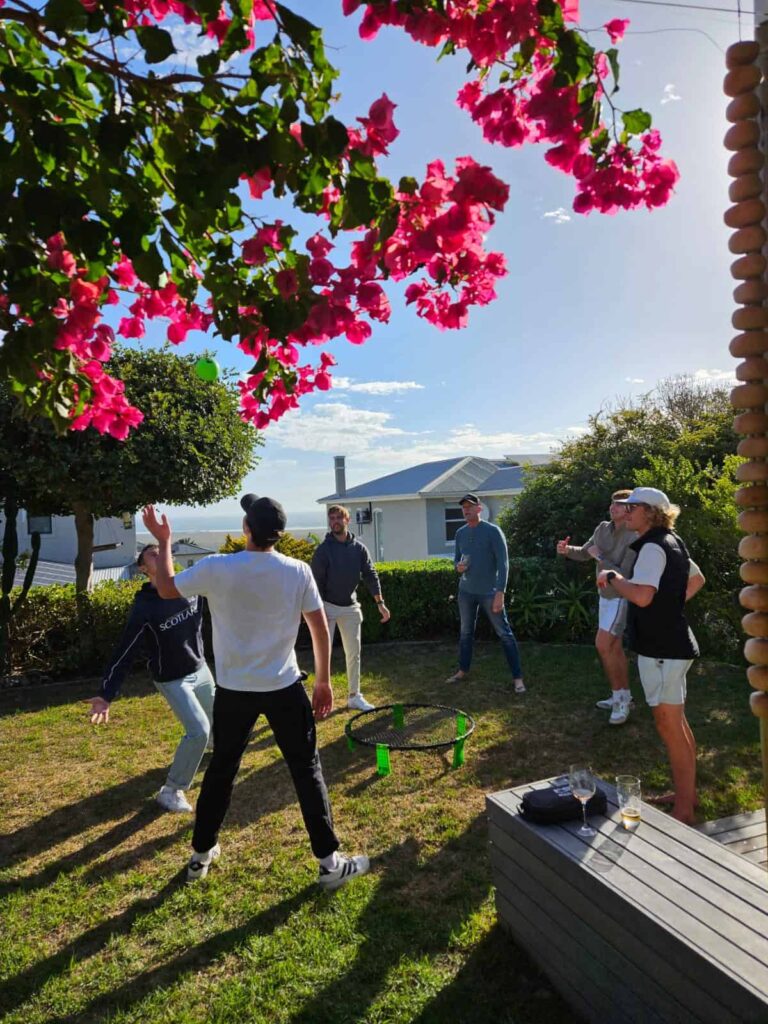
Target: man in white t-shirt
x=257 y=598
x=663 y=579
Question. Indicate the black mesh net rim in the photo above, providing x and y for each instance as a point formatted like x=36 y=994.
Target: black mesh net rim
x=373 y=742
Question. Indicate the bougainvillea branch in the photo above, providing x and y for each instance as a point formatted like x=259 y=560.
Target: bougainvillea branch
x=127 y=187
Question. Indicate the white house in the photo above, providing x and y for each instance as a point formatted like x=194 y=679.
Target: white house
x=114 y=546
x=415 y=513
x=186 y=552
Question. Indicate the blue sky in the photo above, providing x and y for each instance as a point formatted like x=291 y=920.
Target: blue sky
x=594 y=308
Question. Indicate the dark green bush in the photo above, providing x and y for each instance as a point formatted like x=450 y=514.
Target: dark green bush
x=549 y=600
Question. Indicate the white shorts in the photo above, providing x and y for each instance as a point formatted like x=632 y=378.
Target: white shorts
x=612 y=615
x=663 y=679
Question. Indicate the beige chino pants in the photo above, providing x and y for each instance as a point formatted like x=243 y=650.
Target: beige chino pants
x=349 y=620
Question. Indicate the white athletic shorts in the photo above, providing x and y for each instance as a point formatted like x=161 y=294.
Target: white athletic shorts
x=612 y=615
x=663 y=679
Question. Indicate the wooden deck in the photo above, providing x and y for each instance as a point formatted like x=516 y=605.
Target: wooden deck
x=661 y=926
x=741 y=833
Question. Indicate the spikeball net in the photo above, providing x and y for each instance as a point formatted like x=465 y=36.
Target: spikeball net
x=410 y=727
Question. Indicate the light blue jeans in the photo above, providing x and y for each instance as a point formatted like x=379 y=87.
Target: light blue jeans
x=191 y=700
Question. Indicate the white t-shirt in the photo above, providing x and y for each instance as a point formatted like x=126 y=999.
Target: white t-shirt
x=256 y=599
x=651 y=563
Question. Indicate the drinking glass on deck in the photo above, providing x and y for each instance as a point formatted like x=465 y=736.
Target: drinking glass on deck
x=583 y=786
x=629 y=795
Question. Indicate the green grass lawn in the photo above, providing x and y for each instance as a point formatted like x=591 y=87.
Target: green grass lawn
x=98 y=925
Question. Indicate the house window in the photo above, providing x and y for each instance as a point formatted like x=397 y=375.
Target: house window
x=454 y=518
x=39 y=524
x=190 y=561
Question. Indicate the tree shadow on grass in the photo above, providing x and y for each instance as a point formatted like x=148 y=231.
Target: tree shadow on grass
x=95 y=809
x=199 y=957
x=418 y=912
x=476 y=997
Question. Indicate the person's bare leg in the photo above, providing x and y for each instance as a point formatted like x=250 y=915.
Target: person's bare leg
x=613 y=658
x=673 y=727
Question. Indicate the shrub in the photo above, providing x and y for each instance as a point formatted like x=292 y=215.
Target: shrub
x=58 y=634
x=293 y=547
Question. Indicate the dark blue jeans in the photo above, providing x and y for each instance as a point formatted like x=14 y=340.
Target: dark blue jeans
x=469 y=606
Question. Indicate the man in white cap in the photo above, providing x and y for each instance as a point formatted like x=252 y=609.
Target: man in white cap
x=663 y=579
x=257 y=598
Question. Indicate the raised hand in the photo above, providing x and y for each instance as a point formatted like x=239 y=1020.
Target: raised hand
x=562 y=546
x=159 y=528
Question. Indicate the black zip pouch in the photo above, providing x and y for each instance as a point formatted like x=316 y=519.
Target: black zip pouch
x=555 y=804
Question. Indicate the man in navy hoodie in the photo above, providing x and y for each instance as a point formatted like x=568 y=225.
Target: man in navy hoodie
x=338 y=565
x=170 y=634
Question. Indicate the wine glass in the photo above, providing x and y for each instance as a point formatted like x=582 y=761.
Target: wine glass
x=583 y=787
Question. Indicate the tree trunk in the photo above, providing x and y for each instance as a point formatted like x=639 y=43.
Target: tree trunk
x=84 y=559
x=10 y=551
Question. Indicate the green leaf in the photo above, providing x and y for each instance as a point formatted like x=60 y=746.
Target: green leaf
x=636 y=121
x=156 y=43
x=613 y=60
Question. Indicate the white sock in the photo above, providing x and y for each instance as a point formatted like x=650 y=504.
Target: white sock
x=331 y=862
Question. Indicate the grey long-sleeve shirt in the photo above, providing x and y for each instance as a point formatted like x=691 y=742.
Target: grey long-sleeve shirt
x=615 y=553
x=338 y=566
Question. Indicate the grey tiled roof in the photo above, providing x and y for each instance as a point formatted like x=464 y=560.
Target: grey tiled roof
x=445 y=478
x=406 y=481
x=61 y=572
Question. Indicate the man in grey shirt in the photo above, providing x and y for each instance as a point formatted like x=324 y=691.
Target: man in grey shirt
x=338 y=565
x=609 y=546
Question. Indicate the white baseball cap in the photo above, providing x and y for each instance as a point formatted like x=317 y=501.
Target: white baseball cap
x=648 y=496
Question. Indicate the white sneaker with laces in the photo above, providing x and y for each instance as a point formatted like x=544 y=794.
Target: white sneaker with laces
x=200 y=862
x=357 y=702
x=171 y=799
x=347 y=869
x=619 y=712
x=607 y=704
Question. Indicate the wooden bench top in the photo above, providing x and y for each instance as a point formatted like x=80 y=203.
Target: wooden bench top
x=659 y=925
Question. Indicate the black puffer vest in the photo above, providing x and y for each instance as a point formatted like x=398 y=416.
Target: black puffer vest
x=661 y=630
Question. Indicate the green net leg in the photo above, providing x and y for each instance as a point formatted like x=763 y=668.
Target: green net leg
x=350 y=743
x=458 y=753
x=461 y=724
x=383 y=766
x=398 y=716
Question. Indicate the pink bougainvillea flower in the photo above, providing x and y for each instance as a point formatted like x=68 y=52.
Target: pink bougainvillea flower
x=616 y=28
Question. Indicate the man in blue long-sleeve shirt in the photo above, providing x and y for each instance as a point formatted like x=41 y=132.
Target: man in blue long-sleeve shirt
x=480 y=556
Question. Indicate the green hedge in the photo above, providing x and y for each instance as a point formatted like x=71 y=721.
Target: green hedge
x=548 y=600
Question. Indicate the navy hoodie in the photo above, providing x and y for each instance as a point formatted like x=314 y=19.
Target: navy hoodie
x=172 y=635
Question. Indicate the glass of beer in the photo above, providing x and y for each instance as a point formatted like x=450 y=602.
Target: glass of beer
x=628 y=792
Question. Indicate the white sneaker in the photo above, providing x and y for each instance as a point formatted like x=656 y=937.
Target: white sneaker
x=357 y=702
x=607 y=704
x=200 y=862
x=171 y=799
x=619 y=712
x=345 y=871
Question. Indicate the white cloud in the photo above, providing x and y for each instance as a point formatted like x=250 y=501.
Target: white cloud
x=374 y=444
x=376 y=387
x=725 y=376
x=558 y=216
x=333 y=426
x=670 y=96
x=635 y=380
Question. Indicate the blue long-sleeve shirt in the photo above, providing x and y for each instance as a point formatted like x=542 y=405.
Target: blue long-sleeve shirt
x=488 y=560
x=169 y=633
